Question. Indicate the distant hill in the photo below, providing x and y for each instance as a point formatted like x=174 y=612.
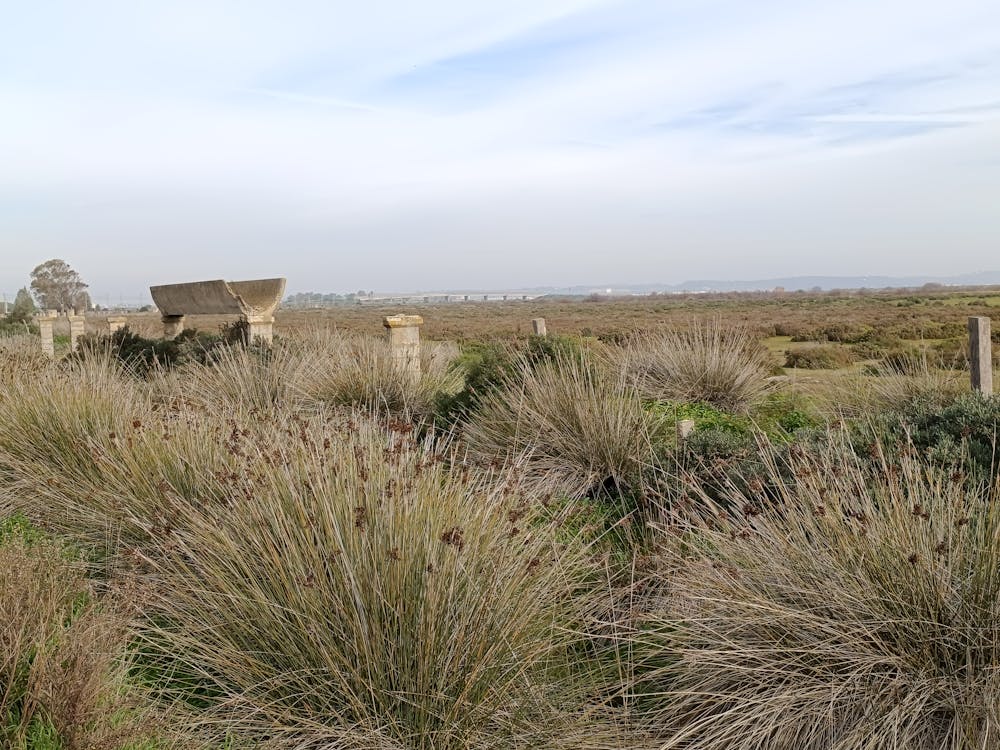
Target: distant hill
x=796 y=283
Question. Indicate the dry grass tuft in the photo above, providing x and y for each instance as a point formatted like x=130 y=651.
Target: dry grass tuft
x=364 y=374
x=363 y=594
x=858 y=610
x=708 y=362
x=62 y=653
x=21 y=356
x=575 y=422
x=886 y=389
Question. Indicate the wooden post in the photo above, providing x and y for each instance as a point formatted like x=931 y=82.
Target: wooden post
x=981 y=356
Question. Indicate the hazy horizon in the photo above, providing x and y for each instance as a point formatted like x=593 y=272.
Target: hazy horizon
x=447 y=145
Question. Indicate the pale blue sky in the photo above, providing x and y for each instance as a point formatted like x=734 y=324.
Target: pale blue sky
x=490 y=143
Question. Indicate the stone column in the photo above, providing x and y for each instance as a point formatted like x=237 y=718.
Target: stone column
x=115 y=323
x=980 y=355
x=538 y=326
x=403 y=332
x=172 y=325
x=260 y=327
x=77 y=327
x=45 y=319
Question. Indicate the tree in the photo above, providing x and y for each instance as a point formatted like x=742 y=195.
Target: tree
x=58 y=287
x=24 y=307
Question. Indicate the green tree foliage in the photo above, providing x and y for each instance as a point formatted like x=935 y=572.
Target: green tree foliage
x=24 y=307
x=58 y=287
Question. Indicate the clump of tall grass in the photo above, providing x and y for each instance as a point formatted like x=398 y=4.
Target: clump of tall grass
x=887 y=387
x=254 y=379
x=368 y=594
x=575 y=421
x=87 y=450
x=708 y=362
x=63 y=648
x=854 y=609
x=21 y=356
x=365 y=374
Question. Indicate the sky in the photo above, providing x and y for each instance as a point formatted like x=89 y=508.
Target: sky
x=489 y=144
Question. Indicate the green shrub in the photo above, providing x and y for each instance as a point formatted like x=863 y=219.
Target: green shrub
x=142 y=356
x=958 y=434
x=820 y=357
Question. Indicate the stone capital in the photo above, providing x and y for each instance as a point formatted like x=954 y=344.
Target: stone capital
x=402 y=321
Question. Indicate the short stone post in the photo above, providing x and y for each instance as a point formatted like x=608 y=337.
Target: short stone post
x=538 y=326
x=684 y=429
x=403 y=332
x=45 y=320
x=260 y=327
x=981 y=355
x=172 y=325
x=77 y=327
x=115 y=323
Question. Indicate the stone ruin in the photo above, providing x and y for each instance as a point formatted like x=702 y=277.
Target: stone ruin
x=403 y=333
x=254 y=301
x=46 y=320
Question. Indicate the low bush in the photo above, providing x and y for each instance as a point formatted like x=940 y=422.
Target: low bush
x=820 y=357
x=143 y=356
x=959 y=433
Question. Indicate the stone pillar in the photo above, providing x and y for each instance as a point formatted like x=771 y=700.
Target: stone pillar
x=486 y=298
x=466 y=298
x=538 y=326
x=980 y=355
x=260 y=327
x=172 y=325
x=684 y=429
x=77 y=327
x=115 y=323
x=45 y=319
x=404 y=341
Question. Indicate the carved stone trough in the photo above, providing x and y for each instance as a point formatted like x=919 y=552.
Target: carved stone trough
x=254 y=301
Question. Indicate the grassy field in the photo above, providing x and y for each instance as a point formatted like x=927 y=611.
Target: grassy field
x=910 y=315
x=205 y=544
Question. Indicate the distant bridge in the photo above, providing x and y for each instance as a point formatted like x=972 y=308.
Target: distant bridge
x=439 y=298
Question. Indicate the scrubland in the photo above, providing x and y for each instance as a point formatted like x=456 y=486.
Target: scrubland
x=211 y=545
